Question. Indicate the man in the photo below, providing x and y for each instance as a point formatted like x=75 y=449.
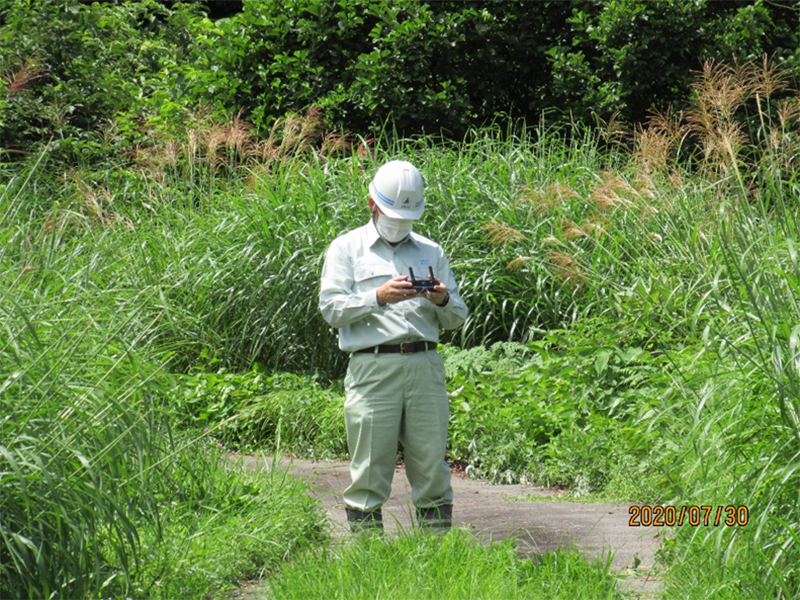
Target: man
x=395 y=381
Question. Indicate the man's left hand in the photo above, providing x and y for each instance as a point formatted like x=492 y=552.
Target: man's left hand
x=438 y=294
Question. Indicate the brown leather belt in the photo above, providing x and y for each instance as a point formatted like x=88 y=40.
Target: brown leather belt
x=406 y=348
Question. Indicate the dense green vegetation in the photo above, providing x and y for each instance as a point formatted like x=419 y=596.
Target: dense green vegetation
x=102 y=495
x=633 y=291
x=647 y=314
x=429 y=567
x=117 y=76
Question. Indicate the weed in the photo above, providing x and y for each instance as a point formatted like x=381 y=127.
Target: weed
x=451 y=566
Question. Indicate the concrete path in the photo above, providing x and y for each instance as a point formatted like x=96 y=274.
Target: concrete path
x=495 y=512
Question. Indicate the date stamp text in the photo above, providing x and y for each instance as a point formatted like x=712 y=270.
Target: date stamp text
x=695 y=516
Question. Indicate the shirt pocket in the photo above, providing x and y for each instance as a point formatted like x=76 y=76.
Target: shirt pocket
x=370 y=275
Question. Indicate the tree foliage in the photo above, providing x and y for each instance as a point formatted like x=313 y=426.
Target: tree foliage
x=91 y=63
x=73 y=70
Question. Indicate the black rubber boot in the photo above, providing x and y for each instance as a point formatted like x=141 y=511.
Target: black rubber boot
x=364 y=521
x=436 y=518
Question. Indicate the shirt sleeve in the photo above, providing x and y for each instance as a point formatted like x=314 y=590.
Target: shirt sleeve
x=339 y=304
x=454 y=313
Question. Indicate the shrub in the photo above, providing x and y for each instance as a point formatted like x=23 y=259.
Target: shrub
x=566 y=412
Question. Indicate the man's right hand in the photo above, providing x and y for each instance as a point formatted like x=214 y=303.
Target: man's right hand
x=395 y=290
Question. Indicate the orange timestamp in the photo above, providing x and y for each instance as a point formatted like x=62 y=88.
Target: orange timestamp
x=695 y=516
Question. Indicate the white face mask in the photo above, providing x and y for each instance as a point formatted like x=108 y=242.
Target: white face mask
x=393 y=230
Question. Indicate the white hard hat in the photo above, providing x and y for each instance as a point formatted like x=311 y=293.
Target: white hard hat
x=398 y=190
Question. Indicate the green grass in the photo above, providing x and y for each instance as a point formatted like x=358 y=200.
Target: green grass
x=102 y=495
x=453 y=566
x=654 y=305
x=247 y=527
x=264 y=411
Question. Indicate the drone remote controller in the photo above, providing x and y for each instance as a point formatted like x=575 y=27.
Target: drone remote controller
x=422 y=285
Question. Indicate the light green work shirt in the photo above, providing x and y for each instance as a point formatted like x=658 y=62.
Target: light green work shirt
x=359 y=262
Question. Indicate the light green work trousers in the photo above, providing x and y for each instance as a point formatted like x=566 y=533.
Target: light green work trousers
x=393 y=397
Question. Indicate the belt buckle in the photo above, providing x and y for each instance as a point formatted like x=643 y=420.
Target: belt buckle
x=405 y=345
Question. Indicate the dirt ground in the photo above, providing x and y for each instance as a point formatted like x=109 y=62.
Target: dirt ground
x=495 y=512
